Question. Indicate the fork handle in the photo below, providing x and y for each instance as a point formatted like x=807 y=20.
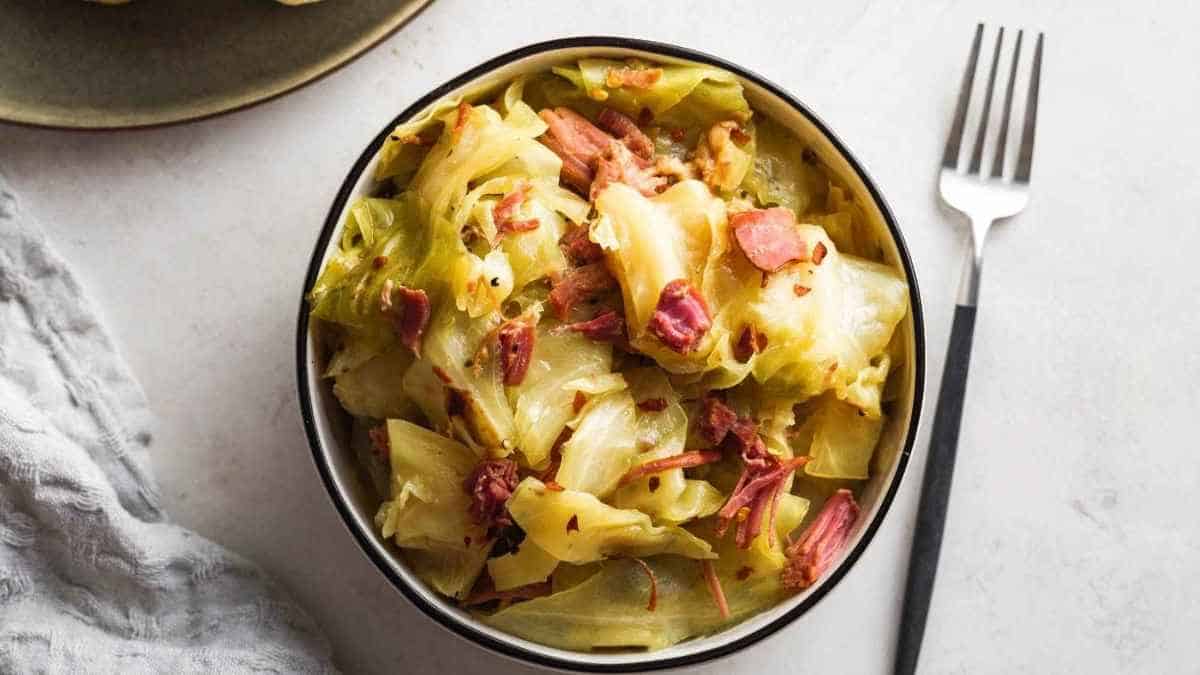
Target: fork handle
x=935 y=491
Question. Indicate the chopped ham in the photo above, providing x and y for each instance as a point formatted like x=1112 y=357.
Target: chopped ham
x=605 y=327
x=490 y=485
x=812 y=554
x=577 y=141
x=626 y=131
x=683 y=460
x=581 y=283
x=575 y=171
x=749 y=343
x=769 y=237
x=504 y=212
x=758 y=490
x=579 y=248
x=618 y=164
x=634 y=78
x=681 y=318
x=716 y=419
x=516 y=338
x=408 y=311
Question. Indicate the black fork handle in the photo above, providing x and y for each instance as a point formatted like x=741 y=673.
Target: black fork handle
x=935 y=491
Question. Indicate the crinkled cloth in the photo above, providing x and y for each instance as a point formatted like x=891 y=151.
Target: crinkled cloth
x=93 y=578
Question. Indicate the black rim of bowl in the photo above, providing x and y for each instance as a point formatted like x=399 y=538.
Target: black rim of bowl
x=467 y=631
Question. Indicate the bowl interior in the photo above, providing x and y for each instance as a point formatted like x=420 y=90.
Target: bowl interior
x=355 y=497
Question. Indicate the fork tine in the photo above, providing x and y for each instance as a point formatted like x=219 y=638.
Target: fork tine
x=1025 y=156
x=977 y=153
x=1002 y=139
x=950 y=156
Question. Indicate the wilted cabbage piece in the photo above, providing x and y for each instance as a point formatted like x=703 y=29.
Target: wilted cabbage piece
x=453 y=390
x=544 y=402
x=577 y=527
x=427 y=508
x=783 y=175
x=839 y=437
x=608 y=610
x=602 y=446
x=450 y=572
x=650 y=242
x=374 y=388
x=528 y=565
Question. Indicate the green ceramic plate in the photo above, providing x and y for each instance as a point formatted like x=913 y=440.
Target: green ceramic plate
x=67 y=63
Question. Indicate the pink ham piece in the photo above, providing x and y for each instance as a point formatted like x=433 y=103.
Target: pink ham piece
x=581 y=283
x=577 y=141
x=769 y=237
x=516 y=338
x=578 y=248
x=408 y=311
x=605 y=327
x=627 y=131
x=490 y=485
x=618 y=164
x=504 y=212
x=592 y=159
x=716 y=420
x=814 y=552
x=681 y=318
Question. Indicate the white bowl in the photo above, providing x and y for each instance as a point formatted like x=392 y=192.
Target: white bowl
x=327 y=424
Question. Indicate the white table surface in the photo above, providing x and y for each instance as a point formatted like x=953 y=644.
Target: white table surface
x=1072 y=545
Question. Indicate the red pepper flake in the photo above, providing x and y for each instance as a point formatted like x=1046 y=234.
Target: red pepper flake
x=744 y=573
x=654 y=483
x=739 y=136
x=653 y=603
x=678 y=135
x=516 y=338
x=581 y=400
x=801 y=291
x=653 y=405
x=819 y=252
x=553 y=486
x=573 y=523
x=683 y=460
x=460 y=122
x=379 y=261
x=714 y=588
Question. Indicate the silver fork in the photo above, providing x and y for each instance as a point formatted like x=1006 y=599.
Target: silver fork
x=983 y=199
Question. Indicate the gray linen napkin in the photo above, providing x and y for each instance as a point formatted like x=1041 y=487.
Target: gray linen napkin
x=92 y=576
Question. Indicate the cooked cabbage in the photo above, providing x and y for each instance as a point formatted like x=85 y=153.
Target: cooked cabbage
x=840 y=438
x=602 y=446
x=528 y=565
x=375 y=388
x=577 y=527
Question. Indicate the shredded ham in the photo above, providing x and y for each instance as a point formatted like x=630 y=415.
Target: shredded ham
x=681 y=318
x=683 y=460
x=408 y=311
x=634 y=78
x=515 y=338
x=716 y=419
x=653 y=602
x=505 y=210
x=604 y=327
x=528 y=592
x=580 y=249
x=380 y=446
x=581 y=283
x=714 y=588
x=489 y=485
x=617 y=164
x=626 y=131
x=821 y=542
x=757 y=490
x=769 y=237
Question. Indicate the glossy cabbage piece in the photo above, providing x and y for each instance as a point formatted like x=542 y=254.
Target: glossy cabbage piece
x=684 y=96
x=374 y=388
x=827 y=337
x=577 y=527
x=427 y=509
x=602 y=446
x=667 y=496
x=650 y=242
x=608 y=609
x=544 y=402
x=781 y=175
x=447 y=373
x=528 y=565
x=839 y=437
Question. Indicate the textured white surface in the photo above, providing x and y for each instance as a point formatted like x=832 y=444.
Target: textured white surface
x=1070 y=547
